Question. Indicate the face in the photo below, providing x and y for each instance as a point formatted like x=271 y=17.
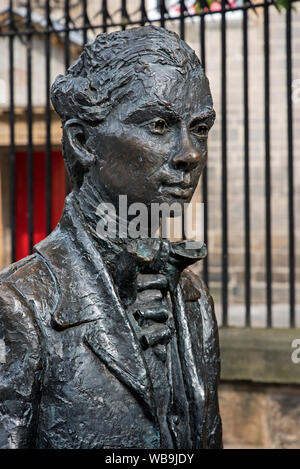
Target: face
x=153 y=145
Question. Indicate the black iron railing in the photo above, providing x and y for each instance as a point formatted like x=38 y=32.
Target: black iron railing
x=18 y=21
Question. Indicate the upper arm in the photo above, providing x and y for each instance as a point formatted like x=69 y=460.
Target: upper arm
x=19 y=370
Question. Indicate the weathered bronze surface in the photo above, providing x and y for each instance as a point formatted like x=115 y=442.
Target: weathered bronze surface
x=113 y=342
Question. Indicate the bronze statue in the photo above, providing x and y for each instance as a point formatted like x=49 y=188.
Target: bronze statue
x=111 y=342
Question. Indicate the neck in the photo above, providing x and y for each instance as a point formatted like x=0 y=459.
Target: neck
x=88 y=198
x=91 y=199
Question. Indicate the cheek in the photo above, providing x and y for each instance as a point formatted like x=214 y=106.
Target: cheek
x=202 y=148
x=135 y=155
x=127 y=168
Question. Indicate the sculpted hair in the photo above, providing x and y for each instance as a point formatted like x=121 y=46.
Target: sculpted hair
x=97 y=80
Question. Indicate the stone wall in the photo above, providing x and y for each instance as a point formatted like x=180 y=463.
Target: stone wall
x=258 y=416
x=259 y=391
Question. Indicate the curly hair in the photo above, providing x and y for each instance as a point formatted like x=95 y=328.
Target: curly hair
x=96 y=82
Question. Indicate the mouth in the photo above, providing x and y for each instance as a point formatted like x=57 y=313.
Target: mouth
x=180 y=191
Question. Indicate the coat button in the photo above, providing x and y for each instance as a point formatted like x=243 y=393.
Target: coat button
x=175 y=419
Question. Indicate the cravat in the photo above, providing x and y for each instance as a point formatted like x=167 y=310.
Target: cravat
x=160 y=262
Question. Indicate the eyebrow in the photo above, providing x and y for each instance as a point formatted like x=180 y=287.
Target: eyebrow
x=166 y=108
x=205 y=115
x=158 y=106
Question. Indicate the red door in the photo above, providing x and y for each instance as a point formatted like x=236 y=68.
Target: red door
x=58 y=192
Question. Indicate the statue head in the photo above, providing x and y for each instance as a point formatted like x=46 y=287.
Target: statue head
x=136 y=109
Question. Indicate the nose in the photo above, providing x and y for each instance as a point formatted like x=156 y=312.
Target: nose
x=186 y=160
x=188 y=157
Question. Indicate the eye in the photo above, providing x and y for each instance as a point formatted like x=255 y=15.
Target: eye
x=159 y=126
x=200 y=129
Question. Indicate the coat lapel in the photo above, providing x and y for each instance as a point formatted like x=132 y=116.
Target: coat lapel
x=124 y=361
x=88 y=295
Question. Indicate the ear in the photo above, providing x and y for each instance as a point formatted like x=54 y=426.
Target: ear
x=75 y=135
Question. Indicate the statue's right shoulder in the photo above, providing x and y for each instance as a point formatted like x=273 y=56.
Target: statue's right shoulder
x=30 y=282
x=21 y=355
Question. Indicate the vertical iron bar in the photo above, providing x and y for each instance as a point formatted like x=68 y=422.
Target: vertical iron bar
x=30 y=169
x=12 y=162
x=48 y=122
x=224 y=170
x=290 y=167
x=205 y=173
x=182 y=35
x=182 y=25
x=162 y=13
x=246 y=172
x=104 y=15
x=84 y=8
x=123 y=13
x=143 y=13
x=67 y=64
x=267 y=163
x=67 y=35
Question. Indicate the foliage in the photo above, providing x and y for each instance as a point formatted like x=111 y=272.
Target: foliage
x=201 y=5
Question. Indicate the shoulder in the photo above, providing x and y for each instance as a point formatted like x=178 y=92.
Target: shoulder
x=19 y=336
x=26 y=287
x=20 y=352
x=27 y=271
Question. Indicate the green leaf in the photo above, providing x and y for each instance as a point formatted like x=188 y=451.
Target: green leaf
x=284 y=4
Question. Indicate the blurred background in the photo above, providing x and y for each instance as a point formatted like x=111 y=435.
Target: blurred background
x=250 y=188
